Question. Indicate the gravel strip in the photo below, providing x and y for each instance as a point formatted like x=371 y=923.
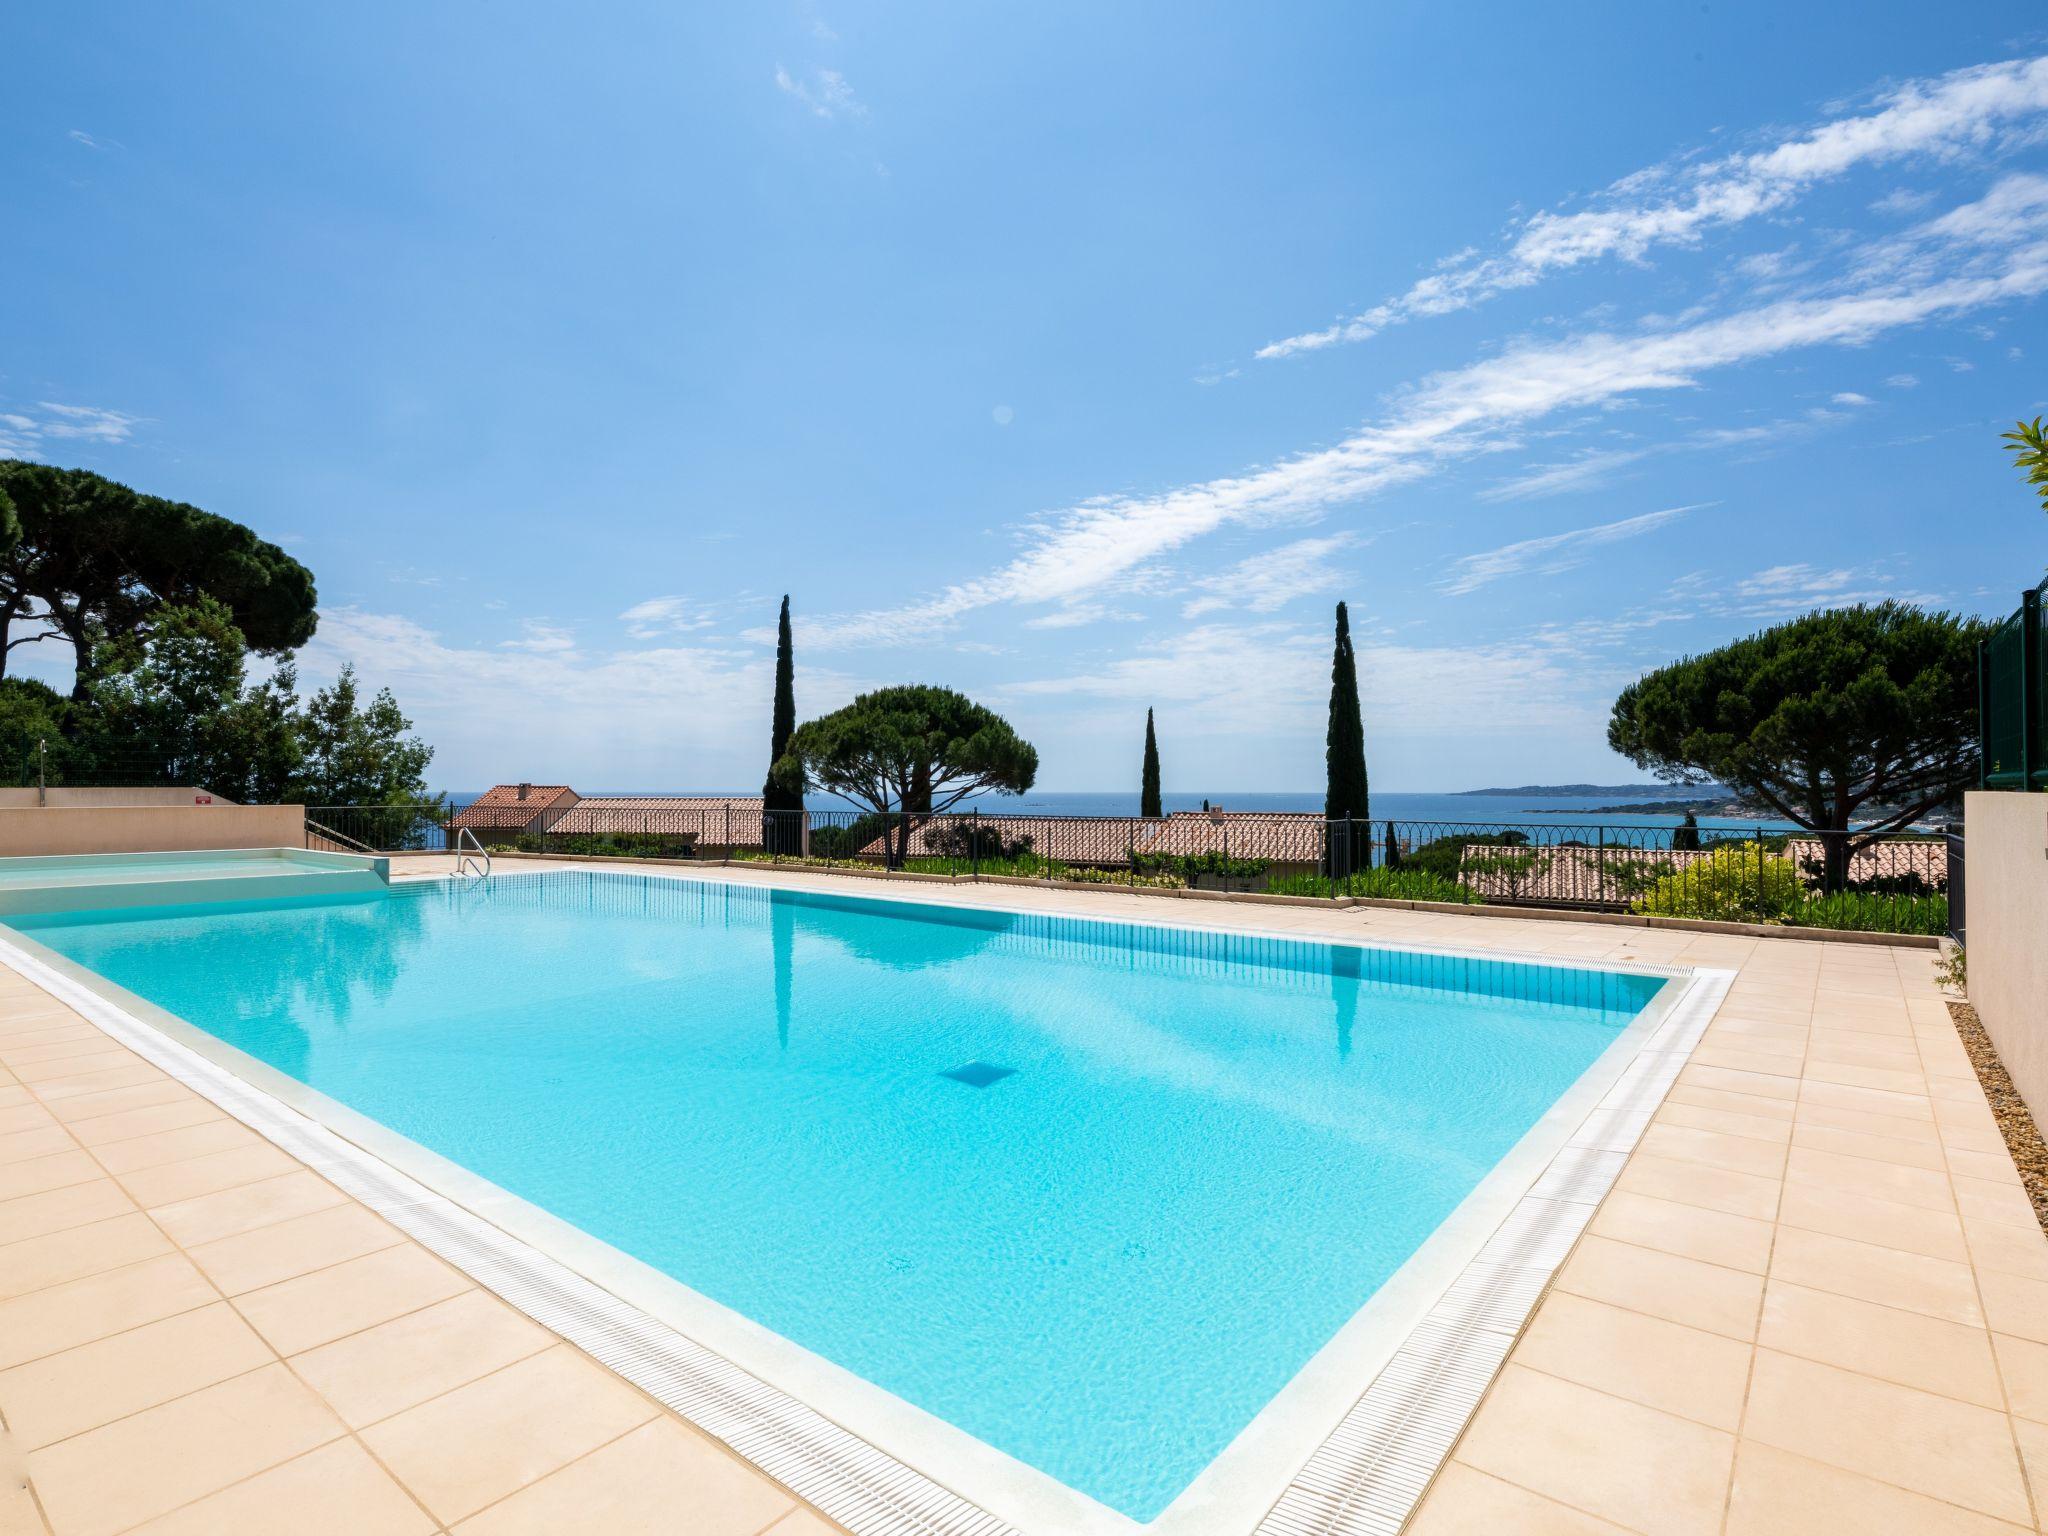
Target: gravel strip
x=2015 y=1121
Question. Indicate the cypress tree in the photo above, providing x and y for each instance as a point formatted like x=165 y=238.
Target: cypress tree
x=1393 y=848
x=785 y=834
x=1347 y=795
x=1148 y=793
x=1687 y=837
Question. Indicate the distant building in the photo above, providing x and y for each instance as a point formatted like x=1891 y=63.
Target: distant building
x=506 y=812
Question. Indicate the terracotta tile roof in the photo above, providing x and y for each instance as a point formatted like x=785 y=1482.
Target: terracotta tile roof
x=1282 y=836
x=501 y=806
x=708 y=819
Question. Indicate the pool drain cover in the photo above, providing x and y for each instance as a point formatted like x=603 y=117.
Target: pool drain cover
x=978 y=1074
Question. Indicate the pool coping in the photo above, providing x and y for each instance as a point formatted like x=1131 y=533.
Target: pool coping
x=1397 y=1382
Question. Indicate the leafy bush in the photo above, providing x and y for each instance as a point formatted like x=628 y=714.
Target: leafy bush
x=970 y=840
x=1861 y=911
x=1443 y=856
x=1186 y=866
x=1735 y=883
x=1402 y=884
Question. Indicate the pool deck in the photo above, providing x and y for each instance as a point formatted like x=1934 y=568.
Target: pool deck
x=1816 y=1298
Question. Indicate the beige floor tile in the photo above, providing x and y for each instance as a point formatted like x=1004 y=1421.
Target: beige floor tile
x=55 y=1210
x=803 y=1521
x=111 y=1101
x=60 y=1317
x=1467 y=1502
x=226 y=1212
x=107 y=1058
x=102 y=1129
x=473 y=1446
x=2014 y=1304
x=1755 y=1084
x=104 y=1079
x=35 y=1262
x=334 y=1491
x=66 y=1394
x=1910 y=1348
x=38 y=1141
x=1778 y=1494
x=1931 y=1445
x=1994 y=1201
x=37 y=1174
x=119 y=1475
x=2023 y=1365
x=2033 y=1442
x=91 y=1043
x=1887 y=1223
x=25 y=1117
x=359 y=1293
x=1748 y=1105
x=1714 y=1237
x=1890 y=1276
x=382 y=1370
x=1776 y=1130
x=176 y=1145
x=250 y=1260
x=1833 y=1172
x=1715 y=1149
x=195 y=1176
x=1640 y=1468
x=1713 y=1189
x=1681 y=1370
x=1869 y=1101
x=1681 y=1290
x=1913 y=1152
x=2002 y=1246
x=659 y=1478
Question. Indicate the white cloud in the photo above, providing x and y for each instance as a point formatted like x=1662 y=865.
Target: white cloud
x=24 y=435
x=541 y=639
x=1552 y=553
x=678 y=716
x=1850 y=397
x=824 y=94
x=1940 y=118
x=1070 y=554
x=1269 y=581
x=1902 y=381
x=1273 y=679
x=663 y=616
x=1902 y=200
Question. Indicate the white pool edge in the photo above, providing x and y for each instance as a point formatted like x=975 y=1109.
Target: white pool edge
x=1398 y=1381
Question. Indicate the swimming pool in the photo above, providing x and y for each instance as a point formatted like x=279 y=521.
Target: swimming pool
x=1091 y=1192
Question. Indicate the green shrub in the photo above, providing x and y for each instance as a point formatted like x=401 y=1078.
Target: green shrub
x=1735 y=883
x=1402 y=884
x=1874 y=912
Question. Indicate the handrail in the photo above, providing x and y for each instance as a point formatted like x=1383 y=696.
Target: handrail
x=321 y=830
x=466 y=866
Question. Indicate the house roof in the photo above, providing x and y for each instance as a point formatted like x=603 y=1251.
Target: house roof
x=503 y=806
x=710 y=818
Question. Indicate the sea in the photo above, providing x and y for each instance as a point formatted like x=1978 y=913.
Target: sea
x=1471 y=810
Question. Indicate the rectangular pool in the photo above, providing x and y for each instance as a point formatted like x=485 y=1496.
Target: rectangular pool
x=1092 y=1192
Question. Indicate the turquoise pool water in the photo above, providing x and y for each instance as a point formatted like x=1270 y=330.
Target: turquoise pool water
x=1166 y=1167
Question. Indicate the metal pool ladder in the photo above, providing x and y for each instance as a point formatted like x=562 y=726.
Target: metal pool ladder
x=466 y=865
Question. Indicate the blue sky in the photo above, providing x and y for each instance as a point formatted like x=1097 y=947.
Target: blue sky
x=1079 y=357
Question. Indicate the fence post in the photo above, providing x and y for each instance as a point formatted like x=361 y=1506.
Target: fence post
x=974 y=844
x=1224 y=827
x=1983 y=721
x=1600 y=864
x=2030 y=683
x=1760 y=870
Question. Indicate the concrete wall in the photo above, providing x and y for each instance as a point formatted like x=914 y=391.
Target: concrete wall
x=149 y=828
x=2005 y=864
x=11 y=799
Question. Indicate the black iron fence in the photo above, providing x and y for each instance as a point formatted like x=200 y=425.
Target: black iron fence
x=1841 y=880
x=2012 y=711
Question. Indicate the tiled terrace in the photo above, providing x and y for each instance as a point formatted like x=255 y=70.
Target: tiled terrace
x=1817 y=1299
